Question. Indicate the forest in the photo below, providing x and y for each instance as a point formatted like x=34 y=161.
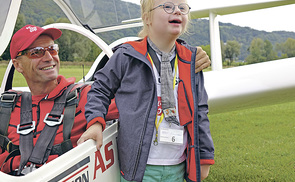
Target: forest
x=240 y=45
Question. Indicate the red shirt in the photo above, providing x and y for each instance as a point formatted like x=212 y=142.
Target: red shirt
x=41 y=105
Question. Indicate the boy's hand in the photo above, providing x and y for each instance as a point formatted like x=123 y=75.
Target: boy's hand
x=93 y=132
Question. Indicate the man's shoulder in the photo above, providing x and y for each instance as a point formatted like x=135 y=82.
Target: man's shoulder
x=81 y=89
x=10 y=97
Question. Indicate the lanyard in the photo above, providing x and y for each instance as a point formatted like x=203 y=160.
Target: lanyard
x=158 y=122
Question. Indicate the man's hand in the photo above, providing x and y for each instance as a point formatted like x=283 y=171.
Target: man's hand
x=93 y=132
x=202 y=60
x=204 y=171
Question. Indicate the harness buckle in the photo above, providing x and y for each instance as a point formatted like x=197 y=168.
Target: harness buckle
x=26 y=128
x=53 y=120
x=8 y=97
x=72 y=96
x=8 y=146
x=28 y=169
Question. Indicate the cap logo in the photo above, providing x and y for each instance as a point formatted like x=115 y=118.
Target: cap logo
x=32 y=29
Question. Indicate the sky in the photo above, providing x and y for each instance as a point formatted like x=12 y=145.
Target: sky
x=270 y=19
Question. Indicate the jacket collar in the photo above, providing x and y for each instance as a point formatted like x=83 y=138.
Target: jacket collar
x=141 y=47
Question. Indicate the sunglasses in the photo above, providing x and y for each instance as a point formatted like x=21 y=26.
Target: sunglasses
x=39 y=52
x=169 y=8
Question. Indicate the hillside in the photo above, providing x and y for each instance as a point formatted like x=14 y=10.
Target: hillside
x=37 y=12
x=199 y=35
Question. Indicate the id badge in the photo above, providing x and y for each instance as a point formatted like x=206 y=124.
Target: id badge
x=171 y=136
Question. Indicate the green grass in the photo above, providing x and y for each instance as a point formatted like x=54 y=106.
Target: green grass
x=74 y=71
x=253 y=145
x=256 y=144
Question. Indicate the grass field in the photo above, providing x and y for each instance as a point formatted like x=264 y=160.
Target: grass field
x=253 y=145
x=256 y=144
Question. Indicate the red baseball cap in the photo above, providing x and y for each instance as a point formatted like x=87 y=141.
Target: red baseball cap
x=25 y=36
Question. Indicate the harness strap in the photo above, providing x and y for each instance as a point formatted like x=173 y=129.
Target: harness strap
x=57 y=149
x=8 y=100
x=45 y=141
x=70 y=109
x=25 y=139
x=7 y=104
x=69 y=113
x=61 y=148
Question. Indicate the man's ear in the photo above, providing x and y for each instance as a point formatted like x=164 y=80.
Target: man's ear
x=17 y=65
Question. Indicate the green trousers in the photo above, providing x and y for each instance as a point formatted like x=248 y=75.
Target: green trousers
x=155 y=173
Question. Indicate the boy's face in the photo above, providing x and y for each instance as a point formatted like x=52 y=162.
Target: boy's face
x=165 y=25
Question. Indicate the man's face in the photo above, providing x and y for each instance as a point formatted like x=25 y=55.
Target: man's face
x=39 y=70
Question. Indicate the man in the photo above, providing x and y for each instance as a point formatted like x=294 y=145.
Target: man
x=35 y=55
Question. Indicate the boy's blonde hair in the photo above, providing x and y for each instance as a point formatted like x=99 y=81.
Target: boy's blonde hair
x=146 y=6
x=147 y=14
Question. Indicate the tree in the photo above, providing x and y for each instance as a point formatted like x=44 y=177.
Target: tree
x=270 y=54
x=74 y=46
x=261 y=51
x=93 y=53
x=232 y=50
x=256 y=51
x=287 y=48
x=50 y=21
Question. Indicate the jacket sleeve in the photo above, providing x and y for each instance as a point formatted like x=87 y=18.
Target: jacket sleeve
x=113 y=112
x=205 y=139
x=107 y=81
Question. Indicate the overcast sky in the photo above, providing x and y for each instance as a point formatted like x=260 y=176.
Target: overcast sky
x=271 y=19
